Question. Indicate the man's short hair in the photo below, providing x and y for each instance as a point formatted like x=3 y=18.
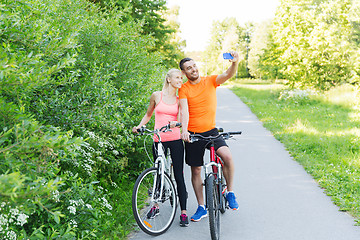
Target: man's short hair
x=184 y=60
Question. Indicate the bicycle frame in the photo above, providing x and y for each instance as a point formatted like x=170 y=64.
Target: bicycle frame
x=216 y=167
x=164 y=165
x=215 y=163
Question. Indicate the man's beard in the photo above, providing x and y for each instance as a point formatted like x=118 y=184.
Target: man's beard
x=191 y=78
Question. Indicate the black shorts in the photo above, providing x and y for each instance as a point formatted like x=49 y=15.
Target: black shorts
x=194 y=152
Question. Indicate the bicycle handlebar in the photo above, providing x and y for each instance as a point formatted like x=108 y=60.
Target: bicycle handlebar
x=143 y=130
x=225 y=135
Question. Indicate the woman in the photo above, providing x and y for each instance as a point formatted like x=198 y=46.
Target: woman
x=166 y=106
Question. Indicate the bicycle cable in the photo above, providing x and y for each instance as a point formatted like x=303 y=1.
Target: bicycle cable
x=146 y=148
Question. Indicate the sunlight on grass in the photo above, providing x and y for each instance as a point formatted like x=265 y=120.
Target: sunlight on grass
x=345 y=95
x=255 y=84
x=321 y=131
x=354 y=116
x=299 y=126
x=353 y=131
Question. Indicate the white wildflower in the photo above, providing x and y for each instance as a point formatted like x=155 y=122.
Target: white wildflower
x=106 y=204
x=56 y=195
x=88 y=206
x=88 y=168
x=14 y=211
x=22 y=219
x=72 y=209
x=73 y=223
x=81 y=202
x=3 y=219
x=91 y=135
x=11 y=235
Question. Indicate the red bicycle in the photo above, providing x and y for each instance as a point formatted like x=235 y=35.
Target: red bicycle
x=215 y=186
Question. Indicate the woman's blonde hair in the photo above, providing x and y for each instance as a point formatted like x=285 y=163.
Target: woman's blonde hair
x=169 y=75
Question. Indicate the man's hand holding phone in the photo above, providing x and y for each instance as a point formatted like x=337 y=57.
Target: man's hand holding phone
x=227 y=56
x=232 y=56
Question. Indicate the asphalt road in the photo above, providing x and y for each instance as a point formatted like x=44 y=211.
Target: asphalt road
x=278 y=199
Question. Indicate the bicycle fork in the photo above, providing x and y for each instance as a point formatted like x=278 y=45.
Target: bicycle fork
x=158 y=180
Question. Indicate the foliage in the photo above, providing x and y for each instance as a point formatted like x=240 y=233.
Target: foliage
x=172 y=51
x=269 y=64
x=226 y=35
x=319 y=132
x=311 y=43
x=259 y=40
x=32 y=187
x=67 y=91
x=156 y=21
x=145 y=12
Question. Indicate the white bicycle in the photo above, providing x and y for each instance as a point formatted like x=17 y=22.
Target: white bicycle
x=154 y=197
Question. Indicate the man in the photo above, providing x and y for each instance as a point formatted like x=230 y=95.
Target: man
x=197 y=114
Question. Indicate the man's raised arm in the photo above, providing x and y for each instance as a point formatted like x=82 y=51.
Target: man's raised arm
x=231 y=70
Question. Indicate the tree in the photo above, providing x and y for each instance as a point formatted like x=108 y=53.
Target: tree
x=156 y=20
x=226 y=35
x=312 y=38
x=259 y=41
x=173 y=47
x=269 y=63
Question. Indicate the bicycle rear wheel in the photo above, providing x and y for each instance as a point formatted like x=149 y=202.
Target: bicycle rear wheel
x=154 y=224
x=213 y=204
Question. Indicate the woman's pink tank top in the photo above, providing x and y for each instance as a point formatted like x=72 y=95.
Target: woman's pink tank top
x=163 y=114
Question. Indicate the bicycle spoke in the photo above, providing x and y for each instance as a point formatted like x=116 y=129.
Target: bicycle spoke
x=153 y=217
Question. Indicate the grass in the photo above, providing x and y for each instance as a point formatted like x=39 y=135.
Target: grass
x=320 y=130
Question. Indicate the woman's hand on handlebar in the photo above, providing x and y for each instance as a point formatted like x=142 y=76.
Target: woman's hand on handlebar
x=185 y=136
x=135 y=129
x=174 y=124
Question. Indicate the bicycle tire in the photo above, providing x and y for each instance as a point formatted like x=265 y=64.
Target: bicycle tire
x=141 y=204
x=213 y=204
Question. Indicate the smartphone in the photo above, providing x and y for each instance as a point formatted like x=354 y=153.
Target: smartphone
x=227 y=56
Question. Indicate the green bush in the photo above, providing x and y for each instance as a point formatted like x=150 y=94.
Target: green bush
x=69 y=77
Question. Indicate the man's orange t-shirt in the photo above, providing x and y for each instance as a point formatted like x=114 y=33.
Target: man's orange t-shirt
x=201 y=99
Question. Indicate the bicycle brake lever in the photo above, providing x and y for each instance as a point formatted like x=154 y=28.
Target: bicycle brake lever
x=193 y=139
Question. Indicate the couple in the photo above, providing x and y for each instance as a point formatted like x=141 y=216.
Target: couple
x=195 y=107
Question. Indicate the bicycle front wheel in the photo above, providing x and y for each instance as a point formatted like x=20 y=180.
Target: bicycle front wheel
x=223 y=190
x=154 y=212
x=213 y=202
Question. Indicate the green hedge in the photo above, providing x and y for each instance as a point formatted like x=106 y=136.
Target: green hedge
x=73 y=80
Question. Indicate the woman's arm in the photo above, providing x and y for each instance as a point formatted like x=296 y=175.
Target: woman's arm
x=184 y=118
x=148 y=113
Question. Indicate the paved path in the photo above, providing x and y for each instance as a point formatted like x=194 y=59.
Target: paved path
x=278 y=199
